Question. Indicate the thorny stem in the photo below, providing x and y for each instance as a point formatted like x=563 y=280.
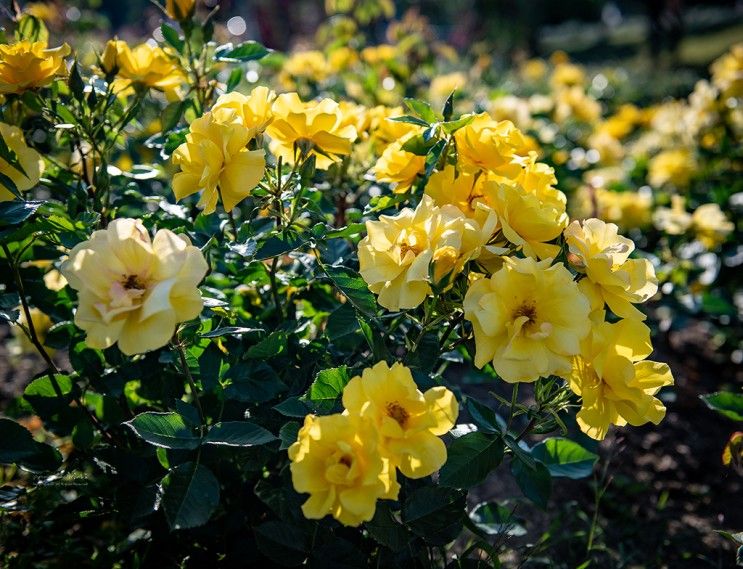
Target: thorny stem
x=514 y=398
x=34 y=339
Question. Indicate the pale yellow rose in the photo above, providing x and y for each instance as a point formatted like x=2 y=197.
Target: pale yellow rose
x=132 y=290
x=603 y=254
x=711 y=225
x=674 y=167
x=402 y=254
x=674 y=220
x=254 y=110
x=399 y=167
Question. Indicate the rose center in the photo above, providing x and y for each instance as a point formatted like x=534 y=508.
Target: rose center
x=527 y=310
x=398 y=413
x=133 y=282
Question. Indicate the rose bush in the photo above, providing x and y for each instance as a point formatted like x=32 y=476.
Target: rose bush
x=279 y=310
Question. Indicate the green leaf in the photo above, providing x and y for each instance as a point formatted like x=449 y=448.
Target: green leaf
x=238 y=434
x=234 y=79
x=247 y=51
x=410 y=120
x=448 y=109
x=171 y=115
x=17 y=446
x=421 y=109
x=564 y=457
x=172 y=37
x=354 y=288
x=282 y=543
x=495 y=519
x=272 y=345
x=535 y=484
x=328 y=386
x=45 y=397
x=288 y=434
x=275 y=246
x=190 y=494
x=168 y=430
x=726 y=403
x=486 y=419
x=9 y=303
x=435 y=513
x=470 y=459
x=231 y=331
x=253 y=382
x=418 y=145
x=386 y=529
x=9 y=185
x=342 y=322
x=450 y=127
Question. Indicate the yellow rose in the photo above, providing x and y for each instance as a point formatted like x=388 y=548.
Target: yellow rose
x=574 y=103
x=132 y=290
x=399 y=167
x=567 y=75
x=711 y=225
x=528 y=319
x=604 y=256
x=533 y=70
x=25 y=65
x=398 y=255
x=41 y=322
x=314 y=128
x=443 y=85
x=675 y=167
x=180 y=9
x=254 y=110
x=28 y=159
x=384 y=131
x=336 y=461
x=490 y=145
x=674 y=220
x=409 y=422
x=310 y=65
x=615 y=385
x=378 y=53
x=215 y=159
x=145 y=66
x=727 y=72
x=530 y=210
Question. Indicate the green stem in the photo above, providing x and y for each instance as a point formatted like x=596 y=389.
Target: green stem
x=192 y=384
x=33 y=337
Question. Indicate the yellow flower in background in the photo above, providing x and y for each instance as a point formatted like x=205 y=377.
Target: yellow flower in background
x=621 y=123
x=28 y=159
x=627 y=209
x=409 y=422
x=573 y=103
x=528 y=319
x=490 y=145
x=711 y=225
x=674 y=220
x=616 y=384
x=132 y=290
x=254 y=110
x=180 y=9
x=727 y=72
x=533 y=70
x=25 y=65
x=336 y=461
x=142 y=66
x=215 y=159
x=400 y=252
x=675 y=167
x=399 y=167
x=41 y=323
x=604 y=256
x=444 y=85
x=309 y=65
x=567 y=75
x=314 y=128
x=378 y=53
